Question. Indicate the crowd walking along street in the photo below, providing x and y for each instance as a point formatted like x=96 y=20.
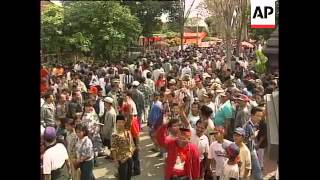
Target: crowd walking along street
x=188 y=111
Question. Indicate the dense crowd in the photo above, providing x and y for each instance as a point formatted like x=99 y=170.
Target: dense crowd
x=205 y=116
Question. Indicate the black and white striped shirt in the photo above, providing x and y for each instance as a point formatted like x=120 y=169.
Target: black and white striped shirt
x=127 y=79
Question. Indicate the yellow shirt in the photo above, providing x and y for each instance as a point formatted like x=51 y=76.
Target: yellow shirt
x=245 y=159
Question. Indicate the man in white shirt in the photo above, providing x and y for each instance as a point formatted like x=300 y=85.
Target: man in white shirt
x=200 y=90
x=77 y=67
x=94 y=80
x=202 y=142
x=217 y=152
x=208 y=100
x=186 y=70
x=56 y=164
x=156 y=72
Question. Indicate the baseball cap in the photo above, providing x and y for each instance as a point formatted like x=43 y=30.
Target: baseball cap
x=206 y=75
x=116 y=80
x=205 y=94
x=186 y=77
x=219 y=90
x=135 y=83
x=243 y=97
x=233 y=151
x=240 y=131
x=93 y=90
x=108 y=100
x=49 y=134
x=172 y=81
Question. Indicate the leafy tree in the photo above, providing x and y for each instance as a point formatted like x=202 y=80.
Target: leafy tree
x=52 y=21
x=102 y=29
x=149 y=13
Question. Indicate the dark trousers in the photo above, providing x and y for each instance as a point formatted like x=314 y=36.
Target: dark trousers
x=86 y=170
x=106 y=142
x=125 y=170
x=136 y=162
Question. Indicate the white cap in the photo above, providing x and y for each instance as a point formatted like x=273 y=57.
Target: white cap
x=135 y=83
x=205 y=75
x=108 y=100
x=172 y=81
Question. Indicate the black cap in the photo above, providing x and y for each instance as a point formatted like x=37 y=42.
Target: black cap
x=120 y=117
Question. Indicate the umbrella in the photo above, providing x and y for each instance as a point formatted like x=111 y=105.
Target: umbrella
x=246 y=44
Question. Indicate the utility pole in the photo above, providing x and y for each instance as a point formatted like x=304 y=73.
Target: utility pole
x=182 y=6
x=198 y=29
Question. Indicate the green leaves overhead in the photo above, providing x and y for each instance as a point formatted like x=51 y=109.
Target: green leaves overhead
x=149 y=13
x=103 y=28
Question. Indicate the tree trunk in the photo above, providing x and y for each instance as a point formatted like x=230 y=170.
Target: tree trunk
x=243 y=22
x=228 y=49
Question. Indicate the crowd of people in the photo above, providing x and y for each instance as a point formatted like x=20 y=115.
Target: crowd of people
x=205 y=116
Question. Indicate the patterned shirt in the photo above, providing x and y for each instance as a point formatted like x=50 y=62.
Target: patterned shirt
x=84 y=147
x=147 y=91
x=71 y=144
x=122 y=144
x=61 y=110
x=138 y=99
x=48 y=114
x=151 y=84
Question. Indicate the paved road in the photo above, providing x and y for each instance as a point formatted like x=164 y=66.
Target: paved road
x=151 y=166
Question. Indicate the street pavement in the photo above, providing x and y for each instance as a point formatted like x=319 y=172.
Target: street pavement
x=152 y=166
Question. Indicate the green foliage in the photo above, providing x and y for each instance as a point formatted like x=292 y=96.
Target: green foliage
x=260 y=34
x=212 y=27
x=261 y=65
x=51 y=28
x=102 y=29
x=149 y=13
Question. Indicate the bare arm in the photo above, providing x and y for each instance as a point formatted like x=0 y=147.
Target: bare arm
x=246 y=172
x=184 y=116
x=83 y=158
x=227 y=125
x=213 y=163
x=68 y=163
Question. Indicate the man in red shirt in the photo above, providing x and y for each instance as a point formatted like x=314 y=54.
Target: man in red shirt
x=44 y=75
x=183 y=162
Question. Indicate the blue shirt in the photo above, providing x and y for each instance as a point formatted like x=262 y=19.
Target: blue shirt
x=156 y=114
x=249 y=128
x=224 y=112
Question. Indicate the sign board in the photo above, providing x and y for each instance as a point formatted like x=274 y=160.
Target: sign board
x=263 y=14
